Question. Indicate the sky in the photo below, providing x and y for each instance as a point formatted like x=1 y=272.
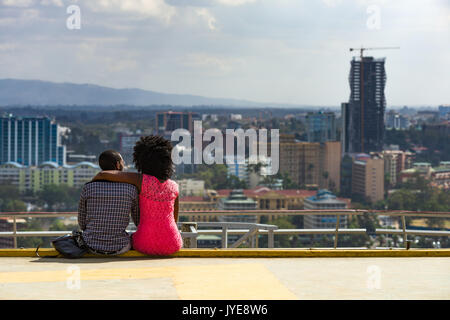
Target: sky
x=278 y=51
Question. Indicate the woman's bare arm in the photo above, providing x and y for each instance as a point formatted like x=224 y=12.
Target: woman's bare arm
x=120 y=176
x=175 y=210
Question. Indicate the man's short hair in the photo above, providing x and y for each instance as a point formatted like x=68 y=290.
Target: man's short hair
x=108 y=160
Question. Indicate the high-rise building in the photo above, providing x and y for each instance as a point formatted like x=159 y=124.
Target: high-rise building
x=320 y=126
x=363 y=116
x=330 y=163
x=30 y=141
x=368 y=176
x=345 y=120
x=311 y=164
x=168 y=121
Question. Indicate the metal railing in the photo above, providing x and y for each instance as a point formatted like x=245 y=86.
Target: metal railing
x=250 y=231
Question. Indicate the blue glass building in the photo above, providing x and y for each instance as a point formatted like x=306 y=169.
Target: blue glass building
x=321 y=126
x=30 y=141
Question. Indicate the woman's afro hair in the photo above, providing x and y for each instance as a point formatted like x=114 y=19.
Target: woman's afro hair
x=153 y=156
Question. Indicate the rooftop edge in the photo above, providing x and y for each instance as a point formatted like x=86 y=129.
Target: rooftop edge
x=250 y=253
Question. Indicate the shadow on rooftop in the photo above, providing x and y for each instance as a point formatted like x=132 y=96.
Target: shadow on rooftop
x=95 y=260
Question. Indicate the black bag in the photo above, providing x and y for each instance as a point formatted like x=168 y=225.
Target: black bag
x=70 y=246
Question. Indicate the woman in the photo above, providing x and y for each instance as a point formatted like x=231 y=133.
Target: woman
x=157 y=232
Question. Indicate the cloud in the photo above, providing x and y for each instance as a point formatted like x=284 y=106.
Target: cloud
x=18 y=3
x=204 y=13
x=152 y=8
x=190 y=3
x=57 y=3
x=211 y=66
x=235 y=3
x=7 y=46
x=272 y=50
x=332 y=3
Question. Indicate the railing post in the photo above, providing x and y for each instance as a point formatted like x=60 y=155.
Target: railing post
x=336 y=232
x=15 y=231
x=224 y=237
x=189 y=242
x=404 y=231
x=270 y=241
x=254 y=241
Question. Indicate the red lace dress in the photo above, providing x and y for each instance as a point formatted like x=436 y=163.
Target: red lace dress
x=157 y=233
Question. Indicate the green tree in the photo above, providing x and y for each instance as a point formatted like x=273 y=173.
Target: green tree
x=216 y=177
x=14 y=206
x=61 y=196
x=284 y=241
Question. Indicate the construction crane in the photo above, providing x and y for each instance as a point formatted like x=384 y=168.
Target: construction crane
x=361 y=50
x=361 y=77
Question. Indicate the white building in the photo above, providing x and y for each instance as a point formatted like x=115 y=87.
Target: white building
x=237 y=168
x=35 y=177
x=324 y=200
x=191 y=187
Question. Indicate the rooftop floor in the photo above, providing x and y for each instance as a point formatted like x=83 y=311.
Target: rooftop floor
x=237 y=278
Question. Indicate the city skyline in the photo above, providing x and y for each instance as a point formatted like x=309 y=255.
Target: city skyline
x=292 y=52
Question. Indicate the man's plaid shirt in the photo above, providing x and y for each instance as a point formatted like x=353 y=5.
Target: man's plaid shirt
x=104 y=214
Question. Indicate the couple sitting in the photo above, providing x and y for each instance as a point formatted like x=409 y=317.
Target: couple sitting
x=150 y=197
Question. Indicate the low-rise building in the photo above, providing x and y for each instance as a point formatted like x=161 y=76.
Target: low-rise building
x=237 y=201
x=395 y=161
x=6 y=224
x=438 y=177
x=34 y=178
x=265 y=199
x=395 y=120
x=127 y=143
x=419 y=169
x=324 y=200
x=237 y=168
x=191 y=187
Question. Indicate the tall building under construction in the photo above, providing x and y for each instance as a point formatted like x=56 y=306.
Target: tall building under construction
x=363 y=115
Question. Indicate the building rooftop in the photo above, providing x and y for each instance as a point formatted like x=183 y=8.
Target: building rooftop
x=214 y=278
x=324 y=196
x=258 y=191
x=55 y=165
x=191 y=199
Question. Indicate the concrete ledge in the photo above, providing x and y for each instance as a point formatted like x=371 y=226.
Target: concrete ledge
x=254 y=253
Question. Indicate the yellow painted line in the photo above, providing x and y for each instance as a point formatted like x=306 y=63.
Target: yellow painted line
x=231 y=282
x=255 y=253
x=215 y=281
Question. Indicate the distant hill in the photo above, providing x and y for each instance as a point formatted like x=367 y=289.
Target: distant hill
x=43 y=93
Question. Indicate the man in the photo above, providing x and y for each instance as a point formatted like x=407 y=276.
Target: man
x=104 y=210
